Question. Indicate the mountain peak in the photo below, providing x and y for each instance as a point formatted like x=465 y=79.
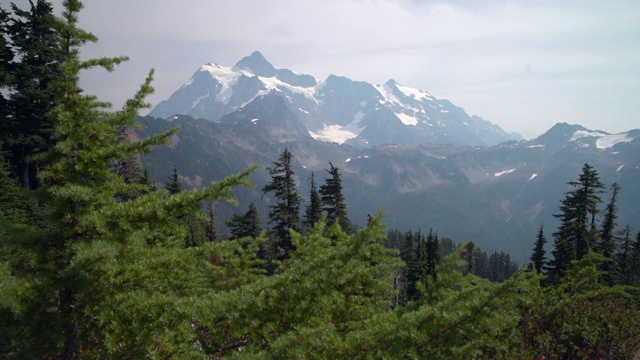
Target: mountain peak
x=257 y=64
x=559 y=132
x=338 y=106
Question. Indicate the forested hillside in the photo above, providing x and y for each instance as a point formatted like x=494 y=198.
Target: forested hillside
x=97 y=261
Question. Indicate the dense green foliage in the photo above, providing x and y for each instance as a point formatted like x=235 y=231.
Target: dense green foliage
x=30 y=70
x=95 y=264
x=245 y=225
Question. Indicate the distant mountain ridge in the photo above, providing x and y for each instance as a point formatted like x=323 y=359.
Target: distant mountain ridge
x=335 y=110
x=496 y=196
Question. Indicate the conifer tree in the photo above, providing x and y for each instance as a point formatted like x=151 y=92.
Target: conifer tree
x=433 y=252
x=86 y=280
x=174 y=186
x=635 y=262
x=576 y=234
x=195 y=225
x=27 y=127
x=562 y=254
x=147 y=182
x=538 y=257
x=245 y=225
x=333 y=200
x=624 y=259
x=284 y=215
x=12 y=209
x=408 y=255
x=607 y=244
x=408 y=252
x=313 y=211
x=422 y=259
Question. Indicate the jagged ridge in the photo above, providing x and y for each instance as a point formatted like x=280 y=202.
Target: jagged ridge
x=337 y=109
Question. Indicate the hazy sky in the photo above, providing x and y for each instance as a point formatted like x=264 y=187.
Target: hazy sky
x=524 y=65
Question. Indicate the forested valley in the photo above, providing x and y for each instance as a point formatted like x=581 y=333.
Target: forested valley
x=97 y=261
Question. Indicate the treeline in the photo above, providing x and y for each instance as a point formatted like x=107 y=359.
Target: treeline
x=97 y=262
x=586 y=228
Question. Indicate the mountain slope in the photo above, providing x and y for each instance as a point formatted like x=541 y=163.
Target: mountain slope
x=334 y=109
x=496 y=196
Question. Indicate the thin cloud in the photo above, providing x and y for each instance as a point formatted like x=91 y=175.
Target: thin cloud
x=521 y=64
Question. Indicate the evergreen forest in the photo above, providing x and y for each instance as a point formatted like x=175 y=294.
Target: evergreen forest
x=97 y=261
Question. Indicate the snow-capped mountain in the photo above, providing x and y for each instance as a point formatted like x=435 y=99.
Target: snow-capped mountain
x=336 y=110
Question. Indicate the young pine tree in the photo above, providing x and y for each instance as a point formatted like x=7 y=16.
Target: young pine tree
x=538 y=257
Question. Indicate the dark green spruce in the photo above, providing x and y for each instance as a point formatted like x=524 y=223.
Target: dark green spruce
x=284 y=215
x=333 y=202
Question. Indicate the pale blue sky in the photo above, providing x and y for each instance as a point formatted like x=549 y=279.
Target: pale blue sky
x=524 y=65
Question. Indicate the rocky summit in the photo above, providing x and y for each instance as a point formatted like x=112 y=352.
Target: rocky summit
x=336 y=109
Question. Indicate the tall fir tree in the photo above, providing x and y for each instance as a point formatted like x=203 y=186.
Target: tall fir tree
x=538 y=257
x=284 y=215
x=333 y=200
x=576 y=234
x=28 y=125
x=313 y=210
